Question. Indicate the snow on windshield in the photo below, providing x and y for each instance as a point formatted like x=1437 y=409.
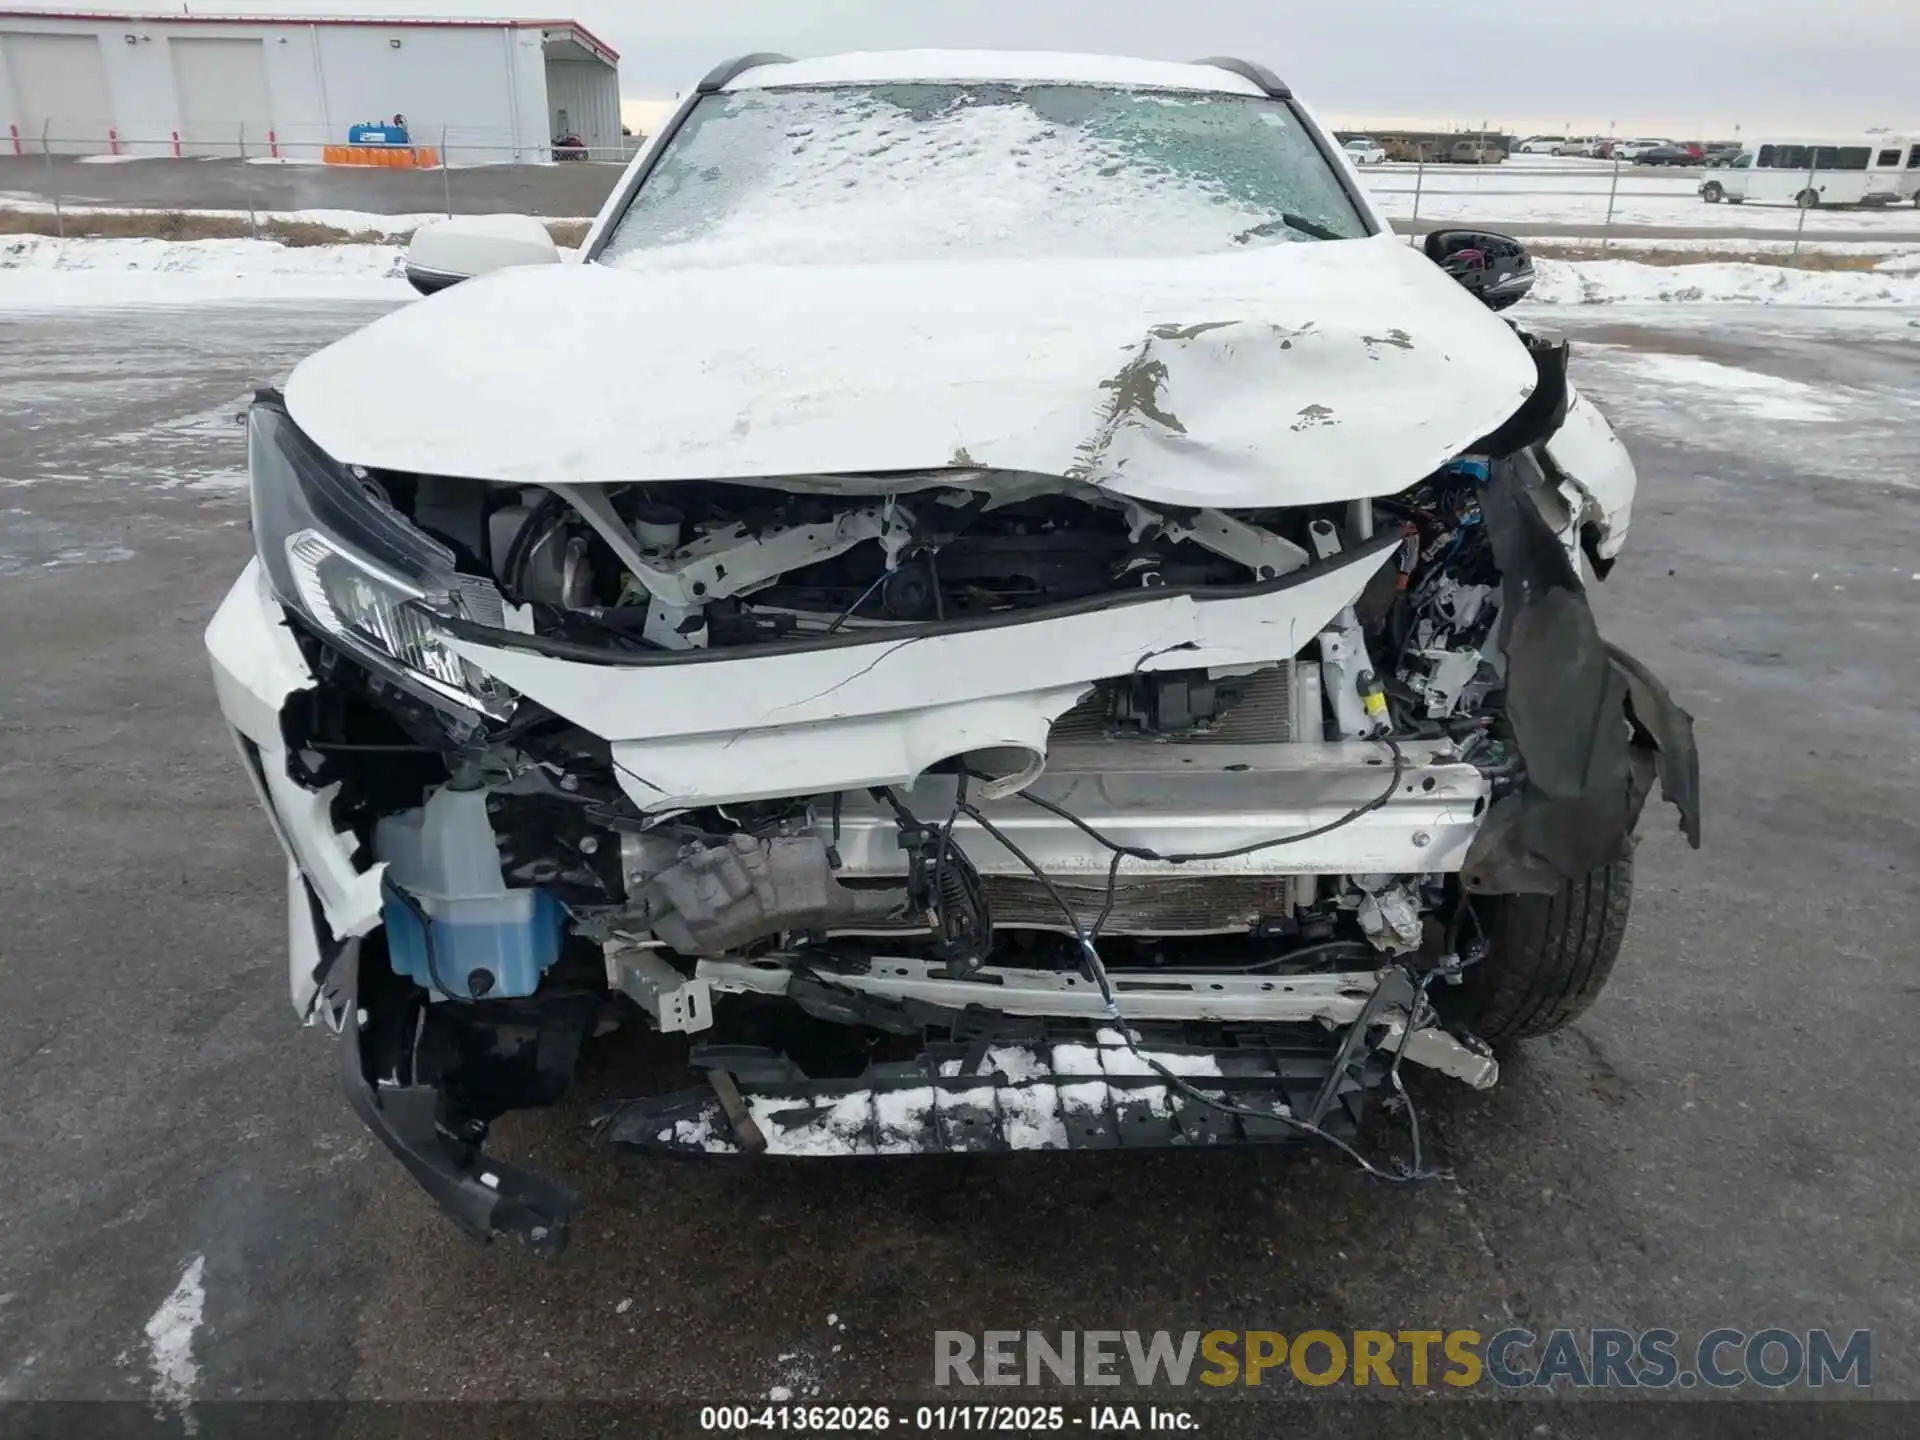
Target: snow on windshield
x=934 y=172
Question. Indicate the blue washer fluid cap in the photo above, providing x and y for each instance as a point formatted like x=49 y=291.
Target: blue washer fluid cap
x=1477 y=468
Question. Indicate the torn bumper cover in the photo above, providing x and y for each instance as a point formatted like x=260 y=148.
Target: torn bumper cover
x=1587 y=776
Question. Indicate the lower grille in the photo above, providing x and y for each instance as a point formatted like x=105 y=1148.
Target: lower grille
x=1223 y=905
x=1263 y=715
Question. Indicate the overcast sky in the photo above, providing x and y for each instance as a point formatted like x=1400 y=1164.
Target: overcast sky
x=1694 y=68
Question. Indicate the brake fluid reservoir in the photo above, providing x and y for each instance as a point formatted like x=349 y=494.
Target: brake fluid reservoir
x=487 y=941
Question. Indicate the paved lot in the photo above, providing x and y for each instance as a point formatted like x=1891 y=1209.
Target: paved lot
x=564 y=190
x=1726 y=1139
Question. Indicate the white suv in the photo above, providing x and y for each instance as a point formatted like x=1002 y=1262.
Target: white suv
x=994 y=593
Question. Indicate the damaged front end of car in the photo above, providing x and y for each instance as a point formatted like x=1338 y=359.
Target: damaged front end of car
x=962 y=809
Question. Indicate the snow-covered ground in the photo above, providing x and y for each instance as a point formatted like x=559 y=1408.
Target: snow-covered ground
x=354 y=222
x=38 y=272
x=1574 y=192
x=1627 y=282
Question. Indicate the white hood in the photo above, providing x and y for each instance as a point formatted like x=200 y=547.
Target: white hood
x=1289 y=374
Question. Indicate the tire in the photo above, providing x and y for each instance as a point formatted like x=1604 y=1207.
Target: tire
x=1548 y=957
x=1808 y=199
x=1709 y=192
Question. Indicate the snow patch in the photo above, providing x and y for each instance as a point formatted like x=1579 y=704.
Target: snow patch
x=863 y=181
x=1027 y=66
x=355 y=221
x=799 y=1377
x=170 y=1334
x=39 y=271
x=1614 y=282
x=1034 y=1108
x=1767 y=397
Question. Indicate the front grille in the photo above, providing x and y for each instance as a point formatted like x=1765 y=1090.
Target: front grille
x=1263 y=715
x=1209 y=905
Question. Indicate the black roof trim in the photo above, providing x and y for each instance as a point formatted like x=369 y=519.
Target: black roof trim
x=721 y=75
x=1248 y=69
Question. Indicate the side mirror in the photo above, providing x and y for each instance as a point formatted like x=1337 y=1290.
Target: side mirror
x=444 y=252
x=1494 y=267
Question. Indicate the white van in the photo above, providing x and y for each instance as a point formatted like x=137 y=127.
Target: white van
x=1909 y=182
x=1880 y=169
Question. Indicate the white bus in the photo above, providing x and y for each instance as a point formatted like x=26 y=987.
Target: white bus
x=1877 y=169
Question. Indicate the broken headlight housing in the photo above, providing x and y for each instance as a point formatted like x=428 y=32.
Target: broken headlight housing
x=336 y=551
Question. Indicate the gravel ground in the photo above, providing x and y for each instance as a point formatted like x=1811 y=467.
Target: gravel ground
x=1725 y=1139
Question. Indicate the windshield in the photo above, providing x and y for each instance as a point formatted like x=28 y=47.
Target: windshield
x=951 y=171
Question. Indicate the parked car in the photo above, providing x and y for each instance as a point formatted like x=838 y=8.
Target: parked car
x=1363 y=150
x=1665 y=155
x=1540 y=145
x=917 y=669
x=1475 y=152
x=569 y=147
x=1633 y=149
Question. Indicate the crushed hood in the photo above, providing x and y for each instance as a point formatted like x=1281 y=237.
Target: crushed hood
x=1288 y=374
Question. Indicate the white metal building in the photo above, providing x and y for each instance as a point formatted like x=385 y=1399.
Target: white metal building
x=86 y=82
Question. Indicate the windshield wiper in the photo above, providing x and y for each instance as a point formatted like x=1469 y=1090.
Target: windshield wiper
x=1287 y=220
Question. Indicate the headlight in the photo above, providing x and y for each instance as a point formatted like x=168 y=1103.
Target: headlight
x=337 y=552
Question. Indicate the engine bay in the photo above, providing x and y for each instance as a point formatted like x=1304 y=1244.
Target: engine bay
x=1413 y=660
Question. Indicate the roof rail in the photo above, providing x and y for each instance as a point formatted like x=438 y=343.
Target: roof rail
x=727 y=71
x=1249 y=70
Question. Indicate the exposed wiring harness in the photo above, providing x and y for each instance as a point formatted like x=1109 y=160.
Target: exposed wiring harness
x=943 y=880
x=1096 y=969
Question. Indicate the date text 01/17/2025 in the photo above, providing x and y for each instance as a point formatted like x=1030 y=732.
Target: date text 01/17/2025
x=945 y=1419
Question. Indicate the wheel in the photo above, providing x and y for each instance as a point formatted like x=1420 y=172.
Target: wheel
x=1808 y=199
x=1712 y=193
x=1548 y=957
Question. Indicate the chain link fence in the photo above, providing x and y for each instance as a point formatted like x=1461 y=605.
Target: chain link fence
x=449 y=170
x=1618 y=200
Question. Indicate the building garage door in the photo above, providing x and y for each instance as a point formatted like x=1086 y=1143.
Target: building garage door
x=222 y=90
x=60 y=91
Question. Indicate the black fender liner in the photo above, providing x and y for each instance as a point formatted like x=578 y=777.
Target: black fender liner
x=486 y=1197
x=1592 y=724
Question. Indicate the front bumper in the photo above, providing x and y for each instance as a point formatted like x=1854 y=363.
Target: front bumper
x=332 y=900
